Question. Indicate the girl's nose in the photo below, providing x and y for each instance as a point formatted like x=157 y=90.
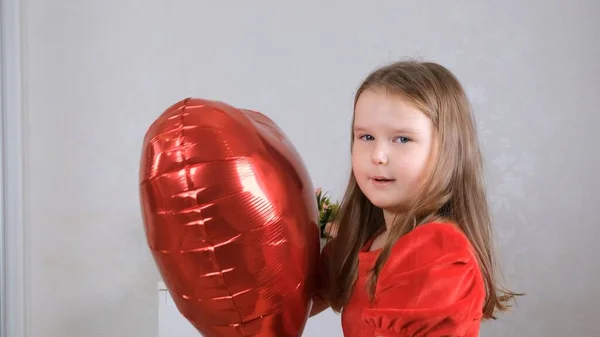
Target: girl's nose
x=379 y=156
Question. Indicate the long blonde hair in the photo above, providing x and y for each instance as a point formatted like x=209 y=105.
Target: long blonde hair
x=455 y=190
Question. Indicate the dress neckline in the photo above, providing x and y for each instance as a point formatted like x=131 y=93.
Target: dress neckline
x=367 y=246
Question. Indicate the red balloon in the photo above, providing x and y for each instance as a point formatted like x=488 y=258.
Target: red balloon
x=230 y=217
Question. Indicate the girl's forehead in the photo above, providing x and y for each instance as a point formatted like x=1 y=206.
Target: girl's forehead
x=377 y=102
x=380 y=110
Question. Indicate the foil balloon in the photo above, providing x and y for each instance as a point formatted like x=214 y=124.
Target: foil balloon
x=231 y=219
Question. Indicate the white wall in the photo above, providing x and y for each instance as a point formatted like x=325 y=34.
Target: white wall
x=97 y=73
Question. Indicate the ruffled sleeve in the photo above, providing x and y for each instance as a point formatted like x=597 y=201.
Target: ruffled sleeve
x=430 y=286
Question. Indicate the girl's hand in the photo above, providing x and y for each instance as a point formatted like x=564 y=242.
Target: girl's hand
x=319 y=305
x=331 y=229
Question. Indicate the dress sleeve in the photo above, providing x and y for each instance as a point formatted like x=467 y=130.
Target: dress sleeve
x=430 y=286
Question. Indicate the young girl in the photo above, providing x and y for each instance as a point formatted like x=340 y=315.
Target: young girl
x=413 y=254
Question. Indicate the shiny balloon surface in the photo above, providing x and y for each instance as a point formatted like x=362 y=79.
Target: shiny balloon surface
x=230 y=218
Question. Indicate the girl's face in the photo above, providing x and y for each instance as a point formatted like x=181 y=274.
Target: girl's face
x=394 y=149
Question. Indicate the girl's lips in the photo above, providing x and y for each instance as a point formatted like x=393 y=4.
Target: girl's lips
x=382 y=179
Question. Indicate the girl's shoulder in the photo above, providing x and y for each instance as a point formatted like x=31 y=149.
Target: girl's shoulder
x=430 y=245
x=439 y=228
x=444 y=235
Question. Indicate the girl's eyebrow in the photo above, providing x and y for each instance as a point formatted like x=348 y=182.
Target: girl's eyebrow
x=405 y=130
x=359 y=129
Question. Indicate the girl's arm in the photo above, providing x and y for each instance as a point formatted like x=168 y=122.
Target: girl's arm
x=319 y=303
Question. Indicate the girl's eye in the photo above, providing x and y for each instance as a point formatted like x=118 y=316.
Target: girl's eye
x=367 y=137
x=402 y=140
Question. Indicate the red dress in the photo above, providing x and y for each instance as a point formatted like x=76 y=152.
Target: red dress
x=431 y=286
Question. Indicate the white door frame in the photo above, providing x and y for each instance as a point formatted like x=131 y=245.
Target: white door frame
x=12 y=262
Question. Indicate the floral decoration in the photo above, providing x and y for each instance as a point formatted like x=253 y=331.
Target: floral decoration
x=327 y=212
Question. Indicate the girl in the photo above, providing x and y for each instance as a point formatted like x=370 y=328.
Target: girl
x=413 y=253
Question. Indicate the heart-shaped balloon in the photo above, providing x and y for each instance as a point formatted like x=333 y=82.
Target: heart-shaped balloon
x=231 y=219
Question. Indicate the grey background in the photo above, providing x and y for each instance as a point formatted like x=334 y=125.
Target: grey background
x=97 y=73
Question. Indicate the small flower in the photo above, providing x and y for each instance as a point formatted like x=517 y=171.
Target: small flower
x=327 y=213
